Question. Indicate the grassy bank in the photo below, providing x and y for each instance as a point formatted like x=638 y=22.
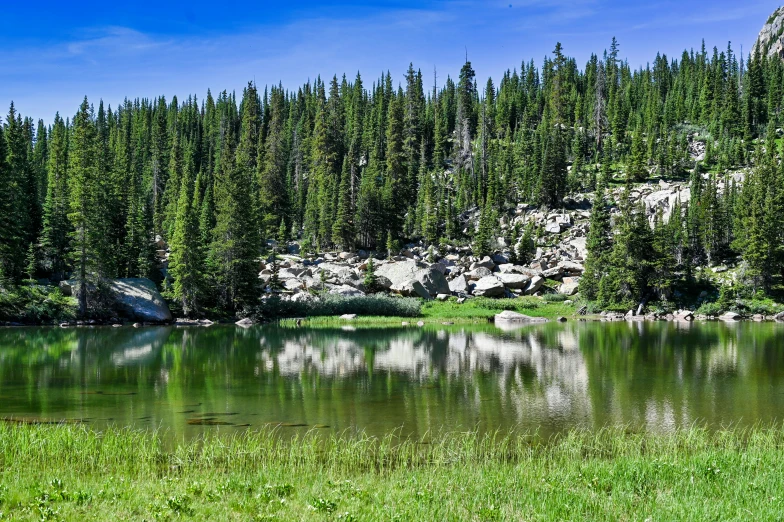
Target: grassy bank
x=478 y=310
x=71 y=473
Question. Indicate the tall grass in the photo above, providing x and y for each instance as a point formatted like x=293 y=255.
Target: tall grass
x=67 y=472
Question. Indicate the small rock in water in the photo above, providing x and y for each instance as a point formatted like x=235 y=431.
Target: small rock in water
x=730 y=316
x=348 y=317
x=420 y=323
x=508 y=315
x=137 y=325
x=404 y=323
x=245 y=323
x=561 y=319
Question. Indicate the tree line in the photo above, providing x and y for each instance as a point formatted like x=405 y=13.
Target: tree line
x=339 y=164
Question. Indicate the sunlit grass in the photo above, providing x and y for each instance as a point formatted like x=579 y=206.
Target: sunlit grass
x=472 y=311
x=72 y=473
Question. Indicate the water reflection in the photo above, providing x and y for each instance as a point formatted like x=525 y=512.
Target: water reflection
x=545 y=377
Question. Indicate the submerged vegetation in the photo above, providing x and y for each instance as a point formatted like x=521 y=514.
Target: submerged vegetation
x=612 y=474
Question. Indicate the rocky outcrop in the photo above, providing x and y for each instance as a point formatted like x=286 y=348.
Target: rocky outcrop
x=770 y=41
x=138 y=299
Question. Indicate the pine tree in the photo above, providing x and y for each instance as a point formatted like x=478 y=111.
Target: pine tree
x=186 y=263
x=343 y=227
x=637 y=170
x=56 y=226
x=370 y=281
x=31 y=262
x=82 y=173
x=14 y=211
x=598 y=244
x=235 y=244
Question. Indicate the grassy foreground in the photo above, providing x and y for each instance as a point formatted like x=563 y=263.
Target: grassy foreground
x=477 y=310
x=71 y=473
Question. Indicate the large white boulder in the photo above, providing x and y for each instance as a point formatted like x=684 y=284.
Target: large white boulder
x=510 y=280
x=139 y=299
x=510 y=316
x=489 y=286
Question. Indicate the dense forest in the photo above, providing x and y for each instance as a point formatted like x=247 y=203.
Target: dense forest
x=349 y=164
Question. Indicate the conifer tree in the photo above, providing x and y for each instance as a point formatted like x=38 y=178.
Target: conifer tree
x=235 y=243
x=186 y=264
x=56 y=227
x=14 y=232
x=598 y=244
x=343 y=227
x=82 y=173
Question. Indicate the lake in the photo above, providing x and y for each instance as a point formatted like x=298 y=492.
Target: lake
x=548 y=378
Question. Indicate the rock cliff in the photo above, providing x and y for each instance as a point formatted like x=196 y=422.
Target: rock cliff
x=771 y=38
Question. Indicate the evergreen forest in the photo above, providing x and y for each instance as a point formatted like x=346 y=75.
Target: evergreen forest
x=351 y=162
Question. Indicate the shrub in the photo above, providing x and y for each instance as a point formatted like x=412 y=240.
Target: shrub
x=36 y=304
x=713 y=308
x=378 y=305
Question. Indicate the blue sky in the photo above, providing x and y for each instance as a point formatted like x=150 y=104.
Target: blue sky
x=54 y=53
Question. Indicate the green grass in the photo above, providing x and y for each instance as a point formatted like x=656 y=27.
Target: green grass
x=477 y=310
x=71 y=473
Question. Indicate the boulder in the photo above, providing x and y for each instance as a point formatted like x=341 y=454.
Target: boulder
x=779 y=317
x=348 y=317
x=553 y=228
x=292 y=284
x=510 y=316
x=139 y=299
x=412 y=288
x=684 y=315
x=346 y=291
x=580 y=246
x=534 y=285
x=434 y=281
x=458 y=285
x=399 y=272
x=302 y=297
x=569 y=288
x=571 y=267
x=244 y=323
x=489 y=286
x=516 y=281
x=66 y=287
x=485 y=262
x=478 y=273
x=730 y=316
x=383 y=282
x=555 y=272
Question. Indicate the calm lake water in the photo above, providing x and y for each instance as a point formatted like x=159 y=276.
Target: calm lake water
x=548 y=377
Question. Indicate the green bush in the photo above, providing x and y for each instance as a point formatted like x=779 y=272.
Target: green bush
x=555 y=298
x=713 y=308
x=325 y=305
x=36 y=304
